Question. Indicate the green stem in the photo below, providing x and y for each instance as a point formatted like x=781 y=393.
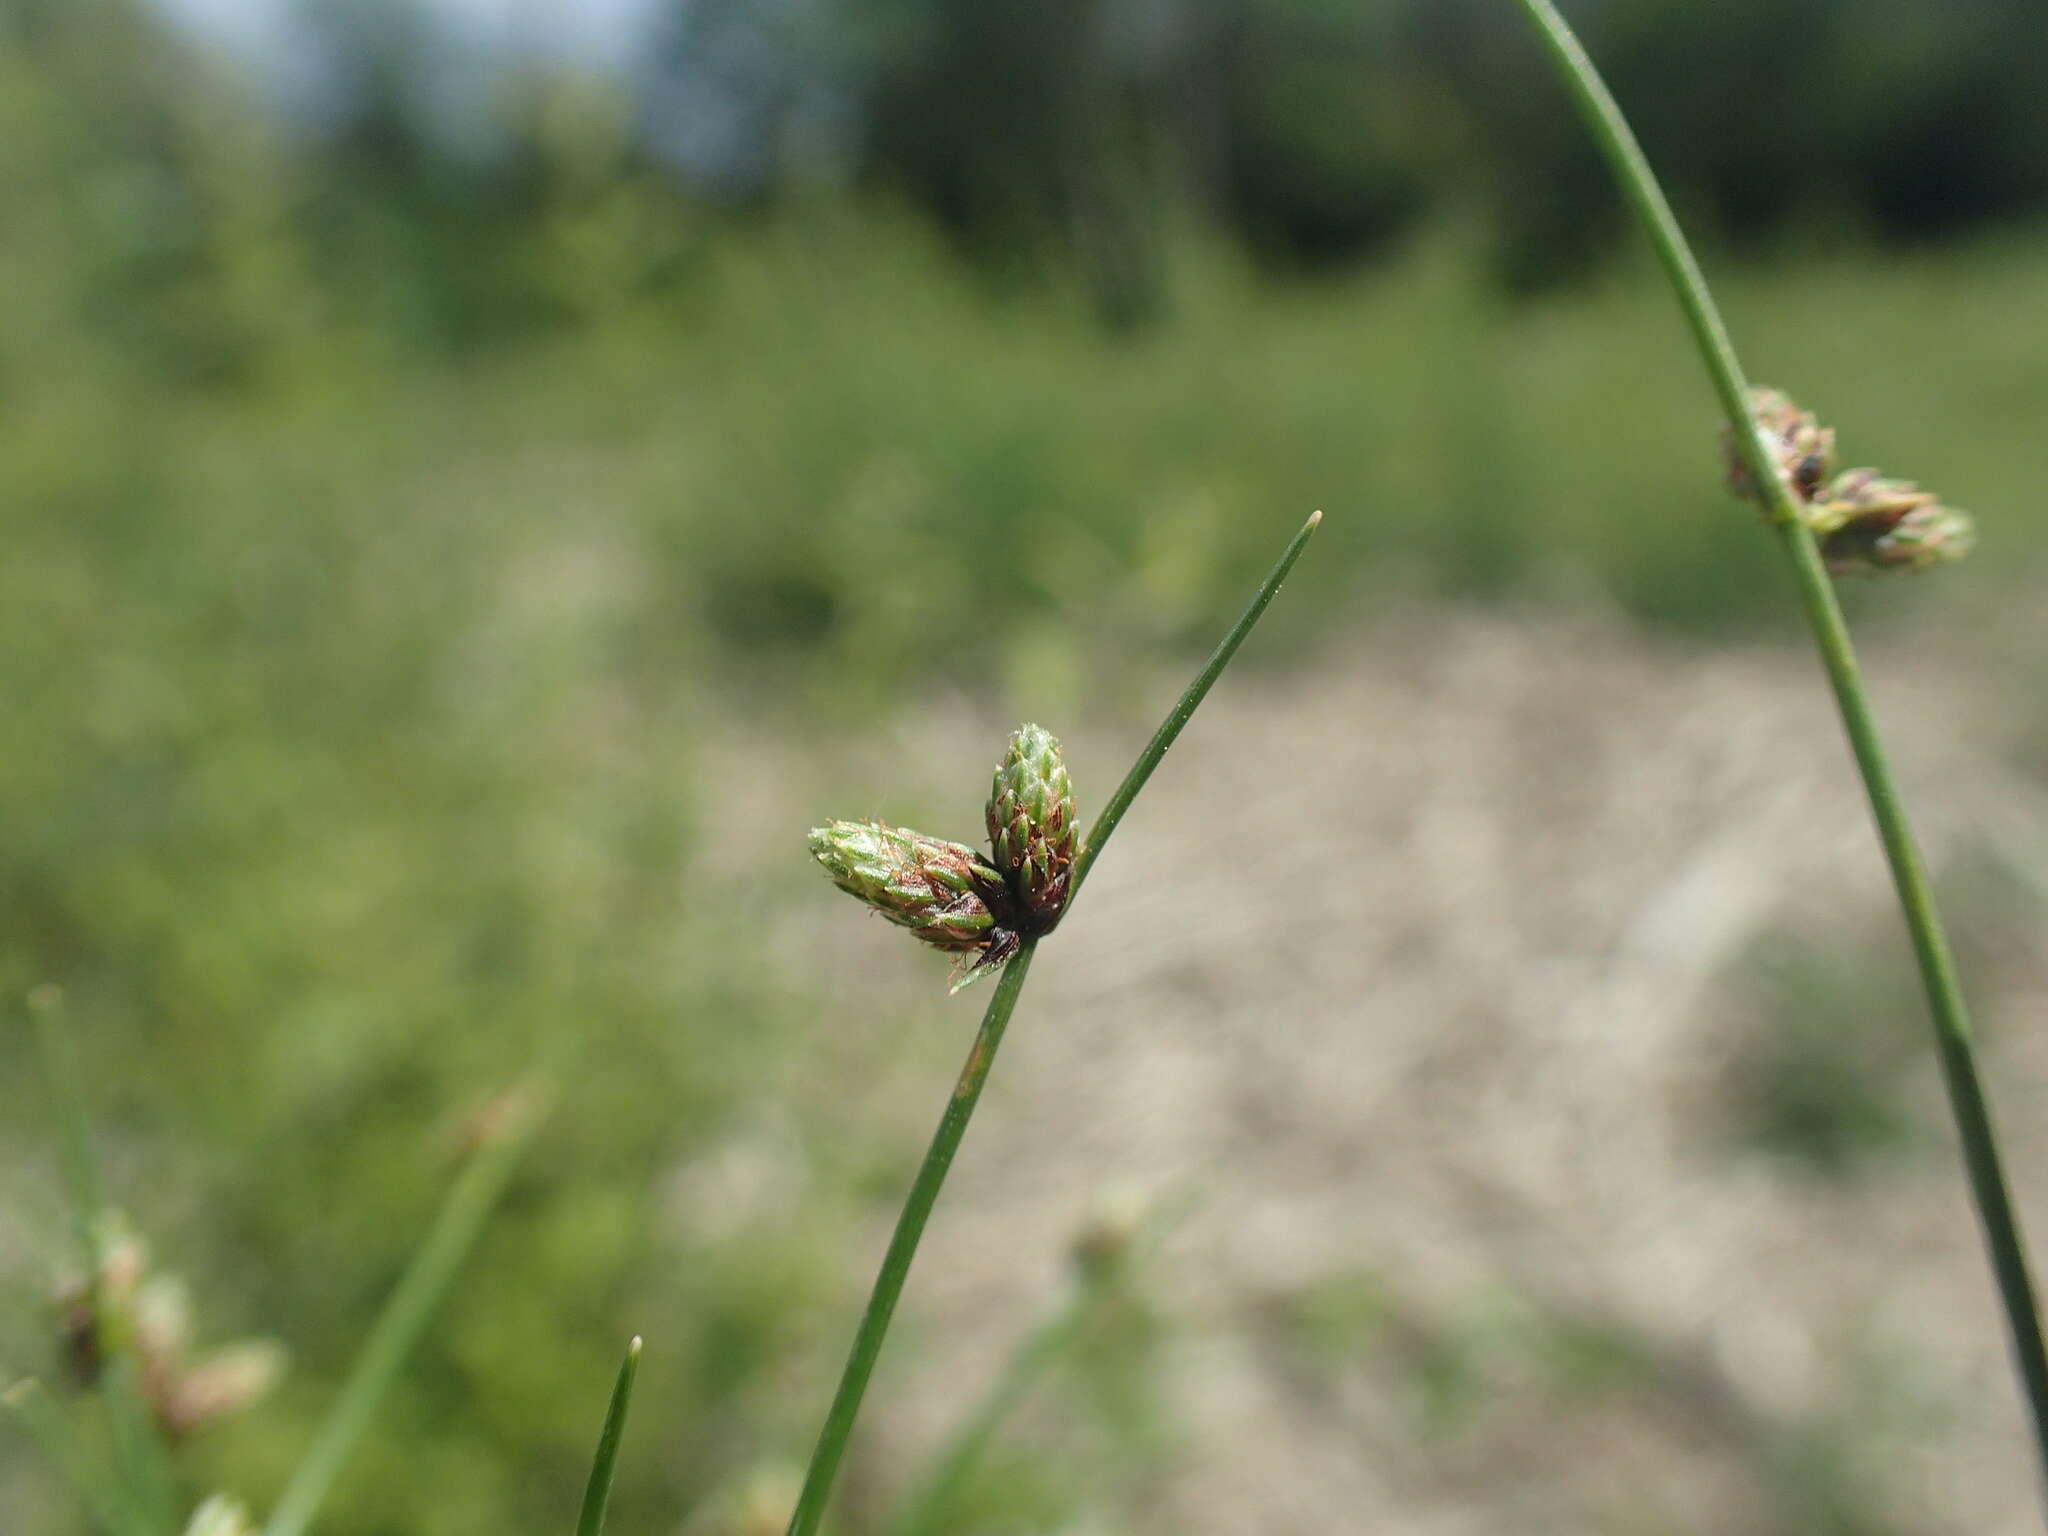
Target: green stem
x=106 y=1498
x=404 y=1318
x=139 y=1459
x=917 y=1209
x=1966 y=1096
x=597 y=1494
x=138 y=1446
x=1177 y=719
x=938 y=1159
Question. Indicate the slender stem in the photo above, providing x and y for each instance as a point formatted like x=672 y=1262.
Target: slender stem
x=1177 y=718
x=938 y=1159
x=106 y=1499
x=1966 y=1095
x=404 y=1318
x=1631 y=168
x=139 y=1459
x=917 y=1209
x=139 y=1450
x=597 y=1495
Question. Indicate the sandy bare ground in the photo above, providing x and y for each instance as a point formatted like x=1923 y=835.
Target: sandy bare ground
x=1424 y=988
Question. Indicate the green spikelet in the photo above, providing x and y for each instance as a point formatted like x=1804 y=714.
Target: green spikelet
x=1031 y=826
x=943 y=892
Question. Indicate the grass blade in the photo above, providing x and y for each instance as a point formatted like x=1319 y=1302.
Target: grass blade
x=1967 y=1101
x=106 y=1500
x=404 y=1318
x=1183 y=711
x=139 y=1458
x=598 y=1493
x=938 y=1158
x=139 y=1449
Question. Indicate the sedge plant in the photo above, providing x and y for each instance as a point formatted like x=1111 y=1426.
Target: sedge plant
x=990 y=912
x=1825 y=523
x=117 y=1337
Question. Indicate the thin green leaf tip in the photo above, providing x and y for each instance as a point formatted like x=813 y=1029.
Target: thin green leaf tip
x=598 y=1492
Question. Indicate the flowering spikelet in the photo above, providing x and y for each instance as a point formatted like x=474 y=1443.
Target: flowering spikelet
x=1795 y=441
x=1031 y=826
x=943 y=892
x=1868 y=522
x=1865 y=521
x=151 y=1314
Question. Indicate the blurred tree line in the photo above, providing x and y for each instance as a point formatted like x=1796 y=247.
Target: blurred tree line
x=453 y=185
x=1321 y=130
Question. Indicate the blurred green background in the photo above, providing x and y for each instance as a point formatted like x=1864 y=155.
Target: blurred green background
x=479 y=481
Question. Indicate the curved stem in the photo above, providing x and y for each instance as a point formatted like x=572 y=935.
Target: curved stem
x=405 y=1316
x=917 y=1209
x=1967 y=1101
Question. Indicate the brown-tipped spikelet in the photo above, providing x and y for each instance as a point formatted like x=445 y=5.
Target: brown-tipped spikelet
x=1802 y=449
x=1868 y=522
x=1031 y=827
x=1865 y=521
x=945 y=893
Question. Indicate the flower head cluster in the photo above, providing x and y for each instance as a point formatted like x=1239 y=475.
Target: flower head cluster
x=978 y=909
x=1864 y=520
x=150 y=1314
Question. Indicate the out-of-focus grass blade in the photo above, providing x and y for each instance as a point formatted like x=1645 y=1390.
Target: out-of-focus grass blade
x=138 y=1451
x=105 y=1498
x=1039 y=1349
x=404 y=1318
x=599 y=1493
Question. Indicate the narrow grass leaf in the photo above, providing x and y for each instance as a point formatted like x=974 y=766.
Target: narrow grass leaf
x=138 y=1447
x=405 y=1316
x=139 y=1458
x=597 y=1495
x=928 y=1509
x=105 y=1498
